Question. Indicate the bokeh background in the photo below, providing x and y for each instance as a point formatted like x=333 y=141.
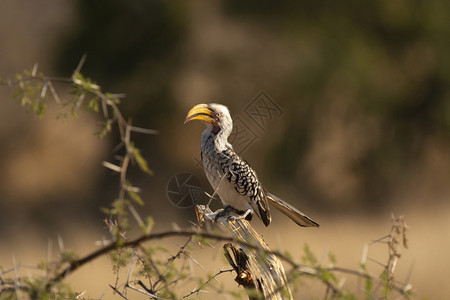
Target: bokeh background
x=364 y=130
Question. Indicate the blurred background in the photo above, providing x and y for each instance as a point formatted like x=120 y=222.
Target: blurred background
x=362 y=129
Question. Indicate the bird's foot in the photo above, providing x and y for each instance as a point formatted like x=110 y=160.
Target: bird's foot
x=241 y=215
x=232 y=214
x=220 y=213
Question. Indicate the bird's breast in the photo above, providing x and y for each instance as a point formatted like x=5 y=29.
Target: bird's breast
x=215 y=164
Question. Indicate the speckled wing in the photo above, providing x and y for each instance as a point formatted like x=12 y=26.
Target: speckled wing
x=244 y=180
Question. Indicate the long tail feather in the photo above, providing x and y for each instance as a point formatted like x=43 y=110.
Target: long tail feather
x=291 y=212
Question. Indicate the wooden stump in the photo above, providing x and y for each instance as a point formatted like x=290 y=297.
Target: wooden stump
x=259 y=271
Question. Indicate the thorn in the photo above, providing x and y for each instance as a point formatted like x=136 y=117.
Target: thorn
x=80 y=64
x=60 y=243
x=133 y=189
x=130 y=269
x=216 y=280
x=143 y=130
x=34 y=71
x=44 y=90
x=175 y=226
x=78 y=295
x=117 y=148
x=325 y=251
x=341 y=282
x=53 y=91
x=136 y=215
x=119 y=96
x=364 y=254
x=377 y=262
x=112 y=166
x=49 y=256
x=80 y=101
x=195 y=261
x=16 y=276
x=105 y=110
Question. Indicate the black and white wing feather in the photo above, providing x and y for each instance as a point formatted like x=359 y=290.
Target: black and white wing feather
x=244 y=180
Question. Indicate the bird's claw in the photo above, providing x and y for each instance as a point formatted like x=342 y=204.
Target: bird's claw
x=220 y=213
x=232 y=214
x=234 y=218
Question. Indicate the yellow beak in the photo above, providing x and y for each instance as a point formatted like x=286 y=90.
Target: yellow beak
x=200 y=112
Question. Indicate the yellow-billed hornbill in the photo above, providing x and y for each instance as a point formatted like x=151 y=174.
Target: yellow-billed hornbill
x=234 y=180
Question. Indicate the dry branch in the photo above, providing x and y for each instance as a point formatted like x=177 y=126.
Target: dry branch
x=256 y=266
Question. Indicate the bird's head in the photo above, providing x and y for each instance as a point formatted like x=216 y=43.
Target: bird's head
x=215 y=116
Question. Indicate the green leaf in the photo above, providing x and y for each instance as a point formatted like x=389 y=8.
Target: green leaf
x=309 y=257
x=332 y=258
x=149 y=222
x=85 y=83
x=105 y=128
x=106 y=211
x=42 y=265
x=142 y=163
x=93 y=105
x=39 y=107
x=121 y=257
x=363 y=266
x=326 y=276
x=68 y=256
x=384 y=277
x=368 y=288
x=135 y=197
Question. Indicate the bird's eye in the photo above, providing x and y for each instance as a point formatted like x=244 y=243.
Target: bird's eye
x=218 y=115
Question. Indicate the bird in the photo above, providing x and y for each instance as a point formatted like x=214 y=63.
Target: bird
x=231 y=177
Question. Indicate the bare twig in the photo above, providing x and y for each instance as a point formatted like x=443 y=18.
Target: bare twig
x=199 y=289
x=118 y=292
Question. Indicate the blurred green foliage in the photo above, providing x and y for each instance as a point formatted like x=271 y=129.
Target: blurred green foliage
x=386 y=60
x=128 y=41
x=381 y=69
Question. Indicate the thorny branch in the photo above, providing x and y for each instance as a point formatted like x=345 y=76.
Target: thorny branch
x=74 y=265
x=315 y=272
x=86 y=90
x=109 y=103
x=199 y=289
